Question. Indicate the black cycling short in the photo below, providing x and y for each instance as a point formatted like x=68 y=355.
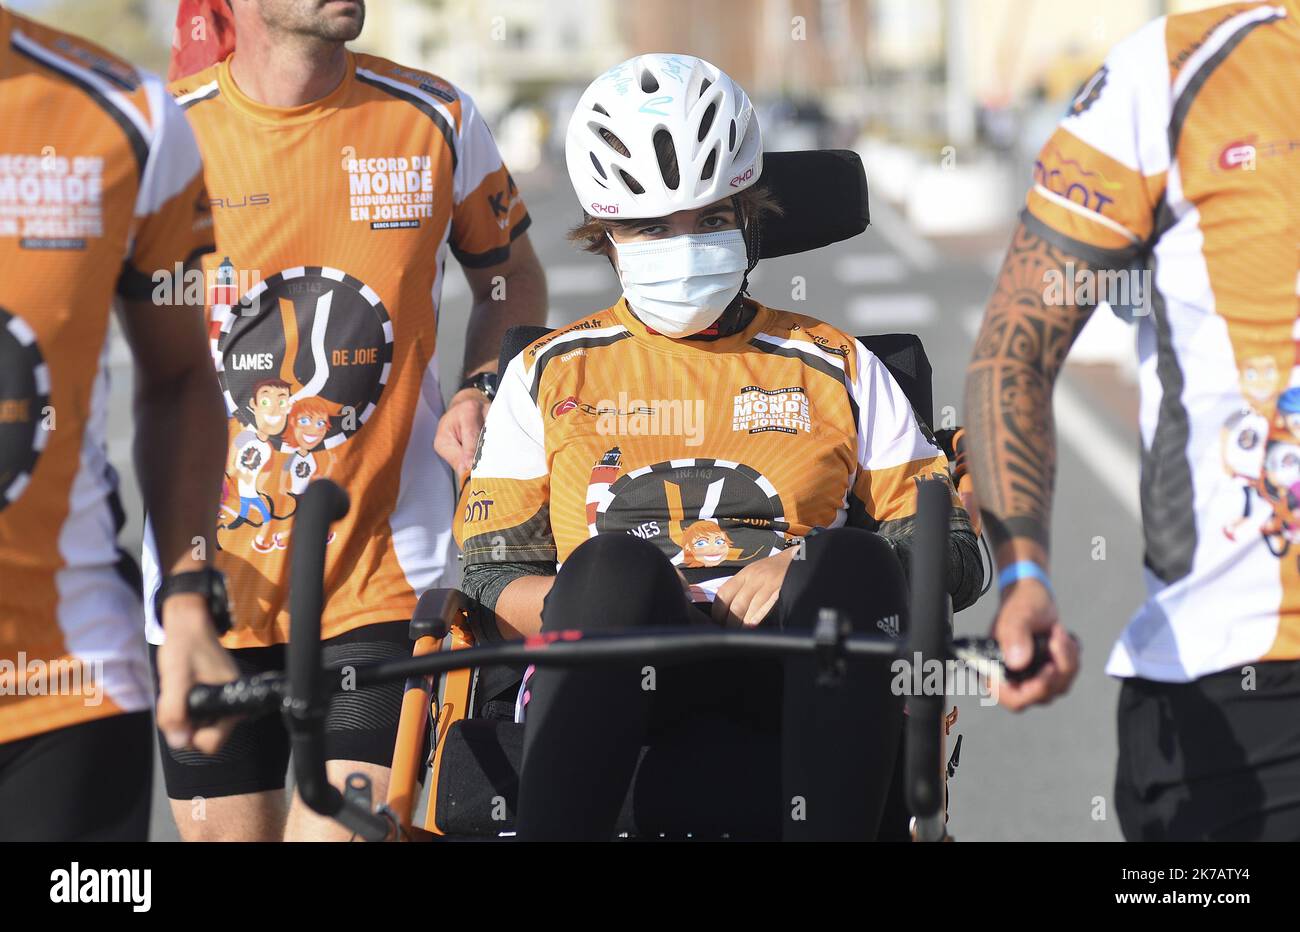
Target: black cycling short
x=750 y=748
x=88 y=782
x=361 y=725
x=1213 y=759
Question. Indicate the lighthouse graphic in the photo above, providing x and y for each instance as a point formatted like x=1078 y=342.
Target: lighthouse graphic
x=602 y=475
x=223 y=289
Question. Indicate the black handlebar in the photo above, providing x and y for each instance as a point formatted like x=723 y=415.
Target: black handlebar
x=320 y=506
x=929 y=613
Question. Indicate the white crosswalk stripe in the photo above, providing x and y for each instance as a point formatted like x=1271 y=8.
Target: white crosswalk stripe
x=880 y=268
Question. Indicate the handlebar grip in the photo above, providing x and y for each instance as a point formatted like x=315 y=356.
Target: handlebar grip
x=321 y=505
x=985 y=655
x=1039 y=660
x=253 y=696
x=929 y=641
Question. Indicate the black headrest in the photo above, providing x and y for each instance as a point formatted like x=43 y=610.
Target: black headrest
x=516 y=341
x=824 y=195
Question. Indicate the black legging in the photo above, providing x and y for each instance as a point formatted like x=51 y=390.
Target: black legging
x=748 y=748
x=87 y=782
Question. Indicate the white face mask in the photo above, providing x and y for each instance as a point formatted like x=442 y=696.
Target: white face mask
x=681 y=285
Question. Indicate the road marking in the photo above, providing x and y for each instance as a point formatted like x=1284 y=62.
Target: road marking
x=1113 y=462
x=879 y=268
x=904 y=309
x=916 y=249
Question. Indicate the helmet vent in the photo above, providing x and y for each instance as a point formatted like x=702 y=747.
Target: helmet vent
x=731 y=139
x=709 y=163
x=596 y=162
x=705 y=122
x=705 y=85
x=648 y=83
x=631 y=182
x=666 y=153
x=599 y=109
x=612 y=141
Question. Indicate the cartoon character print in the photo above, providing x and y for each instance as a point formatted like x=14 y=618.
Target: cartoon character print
x=303 y=360
x=304 y=453
x=1261 y=451
x=705 y=543
x=1248 y=433
x=1280 y=487
x=249 y=460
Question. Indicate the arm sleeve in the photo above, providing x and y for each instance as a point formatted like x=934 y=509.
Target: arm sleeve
x=173 y=219
x=895 y=450
x=1100 y=176
x=487 y=214
x=504 y=512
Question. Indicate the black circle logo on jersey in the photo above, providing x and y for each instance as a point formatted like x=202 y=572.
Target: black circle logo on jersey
x=718 y=511
x=302 y=344
x=24 y=395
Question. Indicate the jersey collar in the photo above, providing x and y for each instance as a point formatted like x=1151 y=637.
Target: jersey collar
x=284 y=116
x=723 y=344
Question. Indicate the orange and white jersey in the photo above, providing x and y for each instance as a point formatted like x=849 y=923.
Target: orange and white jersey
x=719 y=452
x=1183 y=153
x=333 y=221
x=100 y=188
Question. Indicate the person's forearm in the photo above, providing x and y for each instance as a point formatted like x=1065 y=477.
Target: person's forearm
x=180 y=446
x=521 y=302
x=1018 y=355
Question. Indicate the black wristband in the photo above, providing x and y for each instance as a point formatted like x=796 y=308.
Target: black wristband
x=486 y=382
x=209 y=583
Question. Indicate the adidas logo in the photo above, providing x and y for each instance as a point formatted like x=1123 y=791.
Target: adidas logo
x=890 y=625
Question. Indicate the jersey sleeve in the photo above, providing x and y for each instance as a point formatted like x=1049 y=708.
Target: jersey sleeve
x=487 y=214
x=173 y=218
x=504 y=512
x=1100 y=176
x=894 y=449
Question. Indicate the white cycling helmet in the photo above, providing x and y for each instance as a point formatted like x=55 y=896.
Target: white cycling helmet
x=610 y=146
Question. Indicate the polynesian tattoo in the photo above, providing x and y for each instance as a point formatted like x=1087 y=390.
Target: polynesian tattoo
x=1018 y=354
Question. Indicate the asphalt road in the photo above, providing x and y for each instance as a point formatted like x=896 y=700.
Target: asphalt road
x=1044 y=775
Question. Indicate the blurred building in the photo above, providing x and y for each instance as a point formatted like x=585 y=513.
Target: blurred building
x=501 y=52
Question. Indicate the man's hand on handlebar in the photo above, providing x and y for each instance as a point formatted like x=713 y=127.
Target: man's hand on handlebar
x=190 y=654
x=1028 y=609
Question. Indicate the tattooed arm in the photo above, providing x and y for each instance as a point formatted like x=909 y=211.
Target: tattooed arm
x=1018 y=355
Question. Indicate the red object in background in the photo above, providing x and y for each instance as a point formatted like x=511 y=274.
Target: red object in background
x=205 y=35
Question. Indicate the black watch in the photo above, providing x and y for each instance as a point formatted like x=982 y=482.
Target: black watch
x=209 y=583
x=486 y=382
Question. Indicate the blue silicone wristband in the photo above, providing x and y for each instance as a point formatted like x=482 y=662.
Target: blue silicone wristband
x=1023 y=569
